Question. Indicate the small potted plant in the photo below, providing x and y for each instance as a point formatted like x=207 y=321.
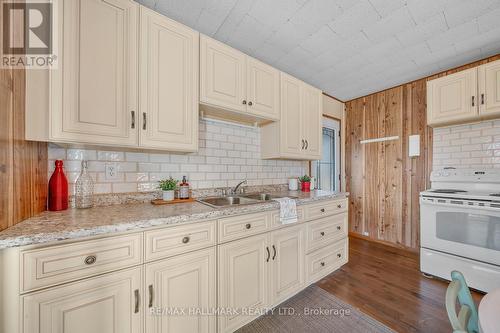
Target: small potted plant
x=305 y=183
x=168 y=188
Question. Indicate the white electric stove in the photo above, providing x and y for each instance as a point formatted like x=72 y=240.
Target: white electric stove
x=460 y=226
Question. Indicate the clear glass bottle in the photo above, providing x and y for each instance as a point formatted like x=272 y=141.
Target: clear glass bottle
x=84 y=188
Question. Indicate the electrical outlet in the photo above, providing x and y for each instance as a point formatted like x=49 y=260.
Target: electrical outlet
x=111 y=171
x=365 y=233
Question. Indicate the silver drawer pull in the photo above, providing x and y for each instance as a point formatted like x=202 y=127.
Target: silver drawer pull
x=322 y=210
x=185 y=240
x=322 y=233
x=248 y=226
x=90 y=260
x=322 y=264
x=151 y=293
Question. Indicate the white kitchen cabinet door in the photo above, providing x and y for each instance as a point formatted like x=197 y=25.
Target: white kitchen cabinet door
x=287 y=256
x=94 y=91
x=169 y=84
x=311 y=114
x=243 y=280
x=489 y=89
x=292 y=141
x=107 y=304
x=222 y=75
x=452 y=98
x=263 y=89
x=185 y=285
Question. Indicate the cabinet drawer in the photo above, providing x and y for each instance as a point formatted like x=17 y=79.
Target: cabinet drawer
x=175 y=240
x=59 y=264
x=325 y=208
x=275 y=217
x=326 y=260
x=326 y=231
x=243 y=226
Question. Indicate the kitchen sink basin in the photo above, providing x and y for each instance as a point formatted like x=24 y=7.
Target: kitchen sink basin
x=227 y=201
x=264 y=196
x=239 y=200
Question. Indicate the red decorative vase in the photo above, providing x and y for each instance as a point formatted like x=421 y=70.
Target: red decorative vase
x=305 y=186
x=58 y=189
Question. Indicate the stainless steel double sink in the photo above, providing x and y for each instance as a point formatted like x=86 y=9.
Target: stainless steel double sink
x=239 y=200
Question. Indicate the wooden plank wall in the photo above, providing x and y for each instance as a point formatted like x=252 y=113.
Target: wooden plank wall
x=23 y=164
x=383 y=181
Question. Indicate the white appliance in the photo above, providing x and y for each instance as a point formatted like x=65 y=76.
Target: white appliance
x=460 y=226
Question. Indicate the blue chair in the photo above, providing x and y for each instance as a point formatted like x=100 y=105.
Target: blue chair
x=466 y=321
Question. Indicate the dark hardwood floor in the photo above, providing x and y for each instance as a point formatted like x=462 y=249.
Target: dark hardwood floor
x=385 y=283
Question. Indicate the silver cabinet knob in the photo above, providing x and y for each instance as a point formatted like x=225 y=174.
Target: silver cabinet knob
x=339 y=255
x=322 y=264
x=250 y=103
x=244 y=102
x=339 y=206
x=338 y=227
x=322 y=233
x=322 y=210
x=248 y=226
x=185 y=240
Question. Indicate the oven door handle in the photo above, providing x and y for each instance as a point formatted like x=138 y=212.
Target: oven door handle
x=490 y=209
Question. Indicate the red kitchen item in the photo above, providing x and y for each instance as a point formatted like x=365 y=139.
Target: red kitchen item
x=305 y=186
x=58 y=189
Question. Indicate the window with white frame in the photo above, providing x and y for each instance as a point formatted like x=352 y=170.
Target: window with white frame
x=327 y=170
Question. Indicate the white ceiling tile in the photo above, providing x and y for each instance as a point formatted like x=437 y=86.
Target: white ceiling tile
x=396 y=21
x=423 y=30
x=354 y=19
x=348 y=48
x=273 y=13
x=249 y=34
x=320 y=41
x=453 y=35
x=235 y=16
x=384 y=7
x=489 y=21
x=314 y=14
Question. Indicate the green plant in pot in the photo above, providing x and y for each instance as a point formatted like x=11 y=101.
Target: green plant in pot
x=168 y=187
x=305 y=183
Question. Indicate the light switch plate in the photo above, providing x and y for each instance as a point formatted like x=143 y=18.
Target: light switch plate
x=414 y=145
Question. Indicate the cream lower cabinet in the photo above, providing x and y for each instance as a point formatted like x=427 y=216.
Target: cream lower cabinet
x=243 y=281
x=287 y=269
x=180 y=293
x=259 y=272
x=106 y=304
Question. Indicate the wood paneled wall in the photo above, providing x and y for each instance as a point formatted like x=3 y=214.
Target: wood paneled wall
x=23 y=164
x=383 y=181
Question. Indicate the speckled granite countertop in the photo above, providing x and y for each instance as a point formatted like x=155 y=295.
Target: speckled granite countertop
x=77 y=223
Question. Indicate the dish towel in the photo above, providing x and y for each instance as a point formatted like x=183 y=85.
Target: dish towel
x=288 y=210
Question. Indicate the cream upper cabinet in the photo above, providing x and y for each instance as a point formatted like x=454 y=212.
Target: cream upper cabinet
x=263 y=89
x=452 y=98
x=107 y=304
x=236 y=86
x=183 y=283
x=292 y=141
x=311 y=121
x=489 y=89
x=287 y=270
x=297 y=135
x=222 y=75
x=95 y=89
x=169 y=84
x=243 y=279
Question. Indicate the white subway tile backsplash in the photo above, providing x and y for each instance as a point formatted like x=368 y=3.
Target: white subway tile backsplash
x=467 y=146
x=227 y=154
